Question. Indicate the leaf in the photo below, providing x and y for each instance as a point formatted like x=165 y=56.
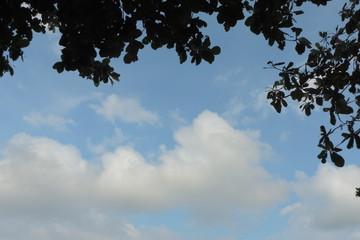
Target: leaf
x=322 y=154
x=332 y=118
x=304 y=41
x=319 y=101
x=136 y=33
x=350 y=143
x=337 y=149
x=277 y=106
x=11 y=70
x=128 y=58
x=59 y=67
x=357 y=140
x=297 y=31
x=322 y=129
x=216 y=50
x=115 y=76
x=290 y=65
x=337 y=159
x=182 y=57
x=249 y=21
x=300 y=48
x=96 y=83
x=298 y=12
x=207 y=56
x=23 y=43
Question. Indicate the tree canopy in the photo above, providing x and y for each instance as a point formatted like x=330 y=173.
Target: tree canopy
x=95 y=32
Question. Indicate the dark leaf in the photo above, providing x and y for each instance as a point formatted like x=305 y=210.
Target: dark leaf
x=216 y=50
x=357 y=193
x=298 y=12
x=297 y=31
x=319 y=101
x=322 y=154
x=207 y=56
x=59 y=67
x=277 y=106
x=357 y=140
x=350 y=143
x=300 y=48
x=332 y=118
x=304 y=41
x=337 y=159
x=322 y=129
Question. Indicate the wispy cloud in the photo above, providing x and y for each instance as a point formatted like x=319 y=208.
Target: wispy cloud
x=256 y=103
x=225 y=77
x=175 y=114
x=129 y=110
x=57 y=122
x=109 y=142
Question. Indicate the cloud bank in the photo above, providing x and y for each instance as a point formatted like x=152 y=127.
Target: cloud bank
x=213 y=170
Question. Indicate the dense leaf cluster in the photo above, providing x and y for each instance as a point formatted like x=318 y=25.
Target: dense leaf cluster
x=330 y=79
x=94 y=32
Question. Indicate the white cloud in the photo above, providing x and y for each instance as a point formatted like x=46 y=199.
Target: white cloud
x=213 y=172
x=225 y=77
x=127 y=109
x=107 y=143
x=234 y=108
x=257 y=104
x=328 y=208
x=175 y=114
x=210 y=168
x=56 y=122
x=80 y=227
x=260 y=101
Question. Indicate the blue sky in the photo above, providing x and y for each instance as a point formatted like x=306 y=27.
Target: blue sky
x=171 y=152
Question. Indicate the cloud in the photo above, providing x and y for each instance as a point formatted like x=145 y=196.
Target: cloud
x=211 y=168
x=126 y=109
x=225 y=77
x=176 y=115
x=213 y=172
x=56 y=122
x=81 y=227
x=256 y=103
x=328 y=208
x=107 y=143
x=234 y=108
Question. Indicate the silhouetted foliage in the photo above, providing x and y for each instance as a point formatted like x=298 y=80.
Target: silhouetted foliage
x=329 y=79
x=95 y=32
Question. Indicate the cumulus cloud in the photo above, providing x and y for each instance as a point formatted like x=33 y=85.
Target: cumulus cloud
x=56 y=122
x=328 y=208
x=37 y=173
x=214 y=171
x=126 y=109
x=213 y=166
